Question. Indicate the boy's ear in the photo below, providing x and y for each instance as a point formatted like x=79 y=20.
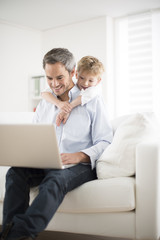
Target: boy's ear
x=99 y=80
x=76 y=74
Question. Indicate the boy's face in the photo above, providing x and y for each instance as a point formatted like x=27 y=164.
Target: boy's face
x=58 y=78
x=86 y=80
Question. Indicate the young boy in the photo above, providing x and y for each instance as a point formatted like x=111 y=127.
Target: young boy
x=88 y=74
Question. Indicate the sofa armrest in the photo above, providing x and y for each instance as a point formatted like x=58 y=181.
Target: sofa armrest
x=147 y=190
x=3 y=171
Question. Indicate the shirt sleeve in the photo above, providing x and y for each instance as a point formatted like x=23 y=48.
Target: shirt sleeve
x=88 y=94
x=101 y=131
x=37 y=114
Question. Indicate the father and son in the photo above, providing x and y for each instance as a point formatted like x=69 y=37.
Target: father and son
x=83 y=133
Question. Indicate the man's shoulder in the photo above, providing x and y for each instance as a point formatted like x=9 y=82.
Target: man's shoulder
x=45 y=110
x=96 y=100
x=96 y=104
x=74 y=92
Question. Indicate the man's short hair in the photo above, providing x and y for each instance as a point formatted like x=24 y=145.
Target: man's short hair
x=61 y=55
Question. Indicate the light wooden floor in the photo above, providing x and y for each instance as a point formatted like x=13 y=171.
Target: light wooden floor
x=49 y=235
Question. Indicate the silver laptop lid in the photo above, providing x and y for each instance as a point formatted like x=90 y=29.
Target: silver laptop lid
x=29 y=145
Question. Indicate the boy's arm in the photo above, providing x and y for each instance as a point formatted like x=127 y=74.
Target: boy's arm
x=76 y=101
x=65 y=106
x=85 y=96
x=50 y=98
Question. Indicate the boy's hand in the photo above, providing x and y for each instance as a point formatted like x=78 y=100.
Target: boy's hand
x=61 y=117
x=65 y=106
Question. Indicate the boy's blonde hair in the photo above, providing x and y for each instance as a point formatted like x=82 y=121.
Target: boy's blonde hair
x=91 y=65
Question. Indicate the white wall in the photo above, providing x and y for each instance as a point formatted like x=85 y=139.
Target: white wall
x=20 y=56
x=82 y=38
x=94 y=37
x=22 y=53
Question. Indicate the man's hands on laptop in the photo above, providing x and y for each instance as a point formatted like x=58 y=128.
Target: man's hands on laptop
x=74 y=158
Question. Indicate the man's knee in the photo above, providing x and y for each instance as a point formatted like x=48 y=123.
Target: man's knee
x=15 y=177
x=54 y=181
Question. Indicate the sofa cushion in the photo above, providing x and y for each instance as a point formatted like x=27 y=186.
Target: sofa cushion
x=109 y=195
x=119 y=158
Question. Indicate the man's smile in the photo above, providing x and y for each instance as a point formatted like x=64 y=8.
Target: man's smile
x=57 y=88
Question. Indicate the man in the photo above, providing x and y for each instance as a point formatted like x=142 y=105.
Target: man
x=81 y=142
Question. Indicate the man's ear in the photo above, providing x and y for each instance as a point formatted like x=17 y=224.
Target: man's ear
x=73 y=72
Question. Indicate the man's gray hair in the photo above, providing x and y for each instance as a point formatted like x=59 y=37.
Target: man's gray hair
x=61 y=55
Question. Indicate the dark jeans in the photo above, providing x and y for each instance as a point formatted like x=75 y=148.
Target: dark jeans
x=53 y=186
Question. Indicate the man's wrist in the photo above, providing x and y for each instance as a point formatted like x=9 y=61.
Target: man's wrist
x=84 y=158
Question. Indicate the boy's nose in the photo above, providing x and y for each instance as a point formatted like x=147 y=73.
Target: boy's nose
x=86 y=83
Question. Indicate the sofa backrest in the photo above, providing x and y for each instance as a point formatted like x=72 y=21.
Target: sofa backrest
x=16 y=117
x=26 y=117
x=117 y=121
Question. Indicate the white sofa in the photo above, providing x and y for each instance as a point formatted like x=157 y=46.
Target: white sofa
x=125 y=207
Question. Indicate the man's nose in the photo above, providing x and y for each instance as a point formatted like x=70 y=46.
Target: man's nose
x=54 y=83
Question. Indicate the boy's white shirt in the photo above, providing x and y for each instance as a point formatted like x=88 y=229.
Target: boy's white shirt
x=87 y=94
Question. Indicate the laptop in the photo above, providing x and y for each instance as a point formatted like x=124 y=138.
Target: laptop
x=29 y=145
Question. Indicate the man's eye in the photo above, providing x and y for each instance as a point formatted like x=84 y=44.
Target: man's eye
x=60 y=78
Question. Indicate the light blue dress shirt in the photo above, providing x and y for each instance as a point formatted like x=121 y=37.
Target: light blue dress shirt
x=86 y=130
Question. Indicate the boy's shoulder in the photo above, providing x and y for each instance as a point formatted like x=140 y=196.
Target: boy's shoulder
x=95 y=102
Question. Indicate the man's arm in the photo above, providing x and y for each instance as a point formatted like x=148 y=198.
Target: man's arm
x=101 y=133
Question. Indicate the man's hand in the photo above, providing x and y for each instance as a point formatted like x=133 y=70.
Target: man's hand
x=74 y=158
x=64 y=106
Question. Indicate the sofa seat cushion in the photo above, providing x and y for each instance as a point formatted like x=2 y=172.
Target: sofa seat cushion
x=108 y=195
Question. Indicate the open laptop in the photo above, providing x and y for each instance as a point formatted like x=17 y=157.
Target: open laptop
x=29 y=145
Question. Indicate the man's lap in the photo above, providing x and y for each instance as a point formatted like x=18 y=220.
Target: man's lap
x=72 y=177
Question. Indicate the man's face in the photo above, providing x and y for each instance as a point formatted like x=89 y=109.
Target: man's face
x=58 y=78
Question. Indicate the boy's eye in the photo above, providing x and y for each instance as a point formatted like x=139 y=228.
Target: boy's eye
x=81 y=78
